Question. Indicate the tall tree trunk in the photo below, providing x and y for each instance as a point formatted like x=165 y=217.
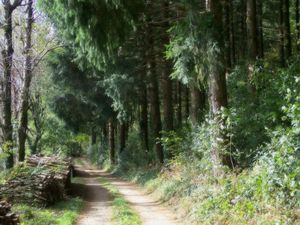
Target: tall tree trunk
x=197 y=104
x=297 y=18
x=122 y=136
x=281 y=33
x=217 y=86
x=111 y=131
x=144 y=118
x=187 y=103
x=252 y=40
x=227 y=26
x=287 y=29
x=260 y=29
x=7 y=56
x=155 y=111
x=26 y=89
x=232 y=33
x=154 y=88
x=179 y=104
x=93 y=137
x=243 y=30
x=167 y=84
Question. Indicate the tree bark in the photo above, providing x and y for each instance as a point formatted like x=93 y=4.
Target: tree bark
x=155 y=111
x=187 y=103
x=297 y=18
x=28 y=77
x=122 y=136
x=252 y=41
x=217 y=86
x=197 y=105
x=7 y=55
x=281 y=33
x=252 y=30
x=227 y=26
x=154 y=89
x=232 y=34
x=93 y=137
x=287 y=29
x=111 y=130
x=179 y=104
x=144 y=118
x=260 y=29
x=167 y=84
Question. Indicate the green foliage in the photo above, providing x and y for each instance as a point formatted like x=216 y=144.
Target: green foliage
x=192 y=48
x=254 y=117
x=96 y=28
x=87 y=104
x=267 y=192
x=63 y=213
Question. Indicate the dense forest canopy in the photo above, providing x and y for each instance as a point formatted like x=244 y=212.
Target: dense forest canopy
x=204 y=87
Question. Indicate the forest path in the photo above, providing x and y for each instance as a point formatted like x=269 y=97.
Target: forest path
x=98 y=208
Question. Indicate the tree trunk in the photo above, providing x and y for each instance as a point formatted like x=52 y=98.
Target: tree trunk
x=187 y=103
x=252 y=41
x=243 y=30
x=155 y=111
x=297 y=18
x=122 y=136
x=111 y=130
x=7 y=55
x=144 y=118
x=227 y=26
x=167 y=84
x=34 y=145
x=287 y=29
x=154 y=89
x=26 y=89
x=179 y=104
x=260 y=29
x=252 y=30
x=93 y=137
x=281 y=33
x=197 y=105
x=232 y=34
x=217 y=86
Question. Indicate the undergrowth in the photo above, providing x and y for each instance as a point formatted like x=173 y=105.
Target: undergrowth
x=263 y=188
x=62 y=213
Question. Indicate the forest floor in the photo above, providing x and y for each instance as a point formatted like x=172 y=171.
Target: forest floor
x=98 y=208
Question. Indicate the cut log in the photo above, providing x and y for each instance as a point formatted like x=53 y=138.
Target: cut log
x=7 y=217
x=40 y=181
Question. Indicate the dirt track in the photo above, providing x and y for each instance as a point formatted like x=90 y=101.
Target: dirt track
x=98 y=201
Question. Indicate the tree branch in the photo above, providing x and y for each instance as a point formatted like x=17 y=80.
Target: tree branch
x=38 y=60
x=16 y=4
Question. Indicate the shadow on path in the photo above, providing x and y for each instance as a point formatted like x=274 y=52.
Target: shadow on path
x=97 y=199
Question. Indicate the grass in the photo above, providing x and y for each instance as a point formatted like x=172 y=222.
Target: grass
x=62 y=213
x=200 y=198
x=123 y=214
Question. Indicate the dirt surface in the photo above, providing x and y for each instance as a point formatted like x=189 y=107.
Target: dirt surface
x=98 y=207
x=150 y=211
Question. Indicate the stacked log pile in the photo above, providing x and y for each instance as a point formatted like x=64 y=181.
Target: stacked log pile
x=40 y=181
x=62 y=168
x=6 y=216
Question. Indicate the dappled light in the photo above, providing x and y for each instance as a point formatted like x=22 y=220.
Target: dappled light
x=151 y=112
